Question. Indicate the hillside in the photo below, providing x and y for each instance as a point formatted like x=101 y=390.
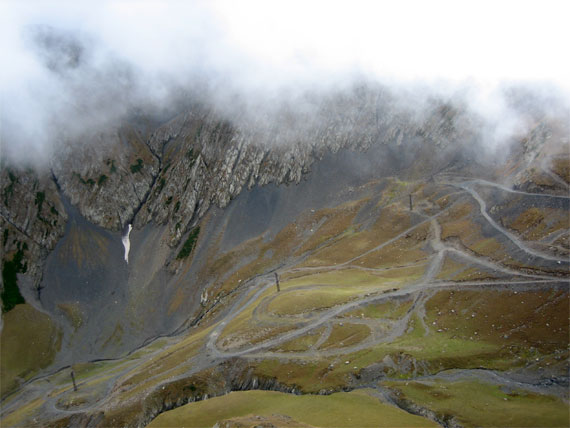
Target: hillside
x=423 y=279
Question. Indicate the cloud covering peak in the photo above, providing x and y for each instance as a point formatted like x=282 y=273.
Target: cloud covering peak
x=76 y=65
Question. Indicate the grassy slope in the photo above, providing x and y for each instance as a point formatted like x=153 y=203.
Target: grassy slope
x=337 y=410
x=480 y=404
x=29 y=341
x=446 y=337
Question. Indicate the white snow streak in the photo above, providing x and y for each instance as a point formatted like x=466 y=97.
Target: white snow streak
x=127 y=242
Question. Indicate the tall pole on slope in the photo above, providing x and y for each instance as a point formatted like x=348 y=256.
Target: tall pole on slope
x=411 y=206
x=277 y=281
x=73 y=380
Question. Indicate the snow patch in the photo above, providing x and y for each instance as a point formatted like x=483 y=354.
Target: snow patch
x=127 y=242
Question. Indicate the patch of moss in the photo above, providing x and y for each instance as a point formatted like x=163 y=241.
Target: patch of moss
x=346 y=335
x=9 y=190
x=161 y=184
x=189 y=244
x=357 y=408
x=40 y=198
x=475 y=403
x=89 y=182
x=11 y=293
x=29 y=342
x=137 y=166
x=111 y=164
x=301 y=343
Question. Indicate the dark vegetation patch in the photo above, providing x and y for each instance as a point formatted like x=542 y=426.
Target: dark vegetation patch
x=161 y=184
x=9 y=190
x=29 y=342
x=10 y=269
x=40 y=198
x=192 y=156
x=137 y=166
x=89 y=182
x=111 y=164
x=102 y=179
x=189 y=244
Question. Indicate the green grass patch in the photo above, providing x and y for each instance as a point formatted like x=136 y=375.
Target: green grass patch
x=111 y=164
x=298 y=301
x=345 y=278
x=10 y=269
x=346 y=335
x=355 y=408
x=392 y=310
x=39 y=201
x=537 y=318
x=29 y=341
x=137 y=167
x=301 y=343
x=20 y=416
x=9 y=189
x=481 y=404
x=102 y=179
x=189 y=244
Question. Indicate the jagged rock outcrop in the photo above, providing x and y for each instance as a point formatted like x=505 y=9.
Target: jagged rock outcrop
x=32 y=218
x=206 y=160
x=108 y=176
x=171 y=173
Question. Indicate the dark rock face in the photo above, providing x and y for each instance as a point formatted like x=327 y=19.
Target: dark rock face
x=32 y=219
x=175 y=173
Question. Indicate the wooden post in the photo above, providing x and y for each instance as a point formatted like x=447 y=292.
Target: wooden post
x=73 y=380
x=411 y=206
x=277 y=281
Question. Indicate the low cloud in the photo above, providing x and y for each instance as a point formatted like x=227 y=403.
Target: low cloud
x=73 y=67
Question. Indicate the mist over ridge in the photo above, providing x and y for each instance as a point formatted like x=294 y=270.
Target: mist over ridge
x=82 y=68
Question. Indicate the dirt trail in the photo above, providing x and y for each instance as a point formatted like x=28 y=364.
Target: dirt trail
x=383 y=331
x=427 y=283
x=515 y=240
x=482 y=182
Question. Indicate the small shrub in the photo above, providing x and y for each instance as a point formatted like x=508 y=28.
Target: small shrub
x=111 y=165
x=40 y=198
x=137 y=166
x=102 y=179
x=189 y=244
x=11 y=293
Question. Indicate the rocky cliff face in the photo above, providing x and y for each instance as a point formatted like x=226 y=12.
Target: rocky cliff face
x=171 y=173
x=199 y=158
x=32 y=219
